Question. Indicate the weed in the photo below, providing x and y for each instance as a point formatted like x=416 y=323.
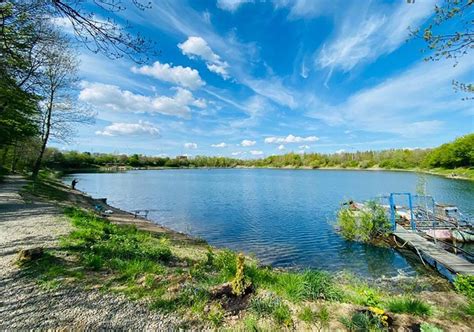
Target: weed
x=427 y=327
x=307 y=315
x=464 y=284
x=282 y=314
x=240 y=283
x=362 y=321
x=216 y=315
x=410 y=306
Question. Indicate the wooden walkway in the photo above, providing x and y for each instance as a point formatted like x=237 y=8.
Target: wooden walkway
x=446 y=263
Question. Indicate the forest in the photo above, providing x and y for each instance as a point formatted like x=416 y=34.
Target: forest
x=456 y=154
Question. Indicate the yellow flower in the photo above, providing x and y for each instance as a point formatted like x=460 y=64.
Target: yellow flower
x=377 y=311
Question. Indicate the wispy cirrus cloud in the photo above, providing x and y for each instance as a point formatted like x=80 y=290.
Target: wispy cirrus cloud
x=231 y=5
x=129 y=129
x=369 y=30
x=405 y=105
x=183 y=76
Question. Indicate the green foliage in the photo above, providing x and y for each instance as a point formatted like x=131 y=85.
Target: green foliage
x=310 y=285
x=274 y=307
x=427 y=327
x=122 y=248
x=363 y=321
x=464 y=284
x=320 y=317
x=216 y=315
x=365 y=224
x=409 y=306
x=459 y=153
x=240 y=283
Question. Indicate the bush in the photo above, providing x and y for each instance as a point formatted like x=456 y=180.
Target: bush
x=410 y=306
x=365 y=224
x=464 y=284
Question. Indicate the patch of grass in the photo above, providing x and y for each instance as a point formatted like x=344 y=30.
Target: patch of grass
x=50 y=270
x=309 y=285
x=216 y=315
x=409 y=306
x=362 y=321
x=273 y=307
x=307 y=315
x=427 y=327
x=46 y=188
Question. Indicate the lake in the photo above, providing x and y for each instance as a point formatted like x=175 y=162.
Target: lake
x=284 y=217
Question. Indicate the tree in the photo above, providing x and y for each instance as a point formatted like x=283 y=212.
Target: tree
x=97 y=33
x=58 y=110
x=452 y=44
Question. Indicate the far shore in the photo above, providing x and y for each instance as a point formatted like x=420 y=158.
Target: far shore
x=466 y=174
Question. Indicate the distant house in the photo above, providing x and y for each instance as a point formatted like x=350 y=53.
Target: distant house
x=182 y=157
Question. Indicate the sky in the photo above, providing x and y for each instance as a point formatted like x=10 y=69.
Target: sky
x=249 y=79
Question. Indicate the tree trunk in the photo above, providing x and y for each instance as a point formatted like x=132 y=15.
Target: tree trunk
x=37 y=166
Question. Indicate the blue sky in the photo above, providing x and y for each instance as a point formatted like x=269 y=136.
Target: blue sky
x=254 y=78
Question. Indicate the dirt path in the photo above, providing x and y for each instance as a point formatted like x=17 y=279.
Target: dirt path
x=25 y=305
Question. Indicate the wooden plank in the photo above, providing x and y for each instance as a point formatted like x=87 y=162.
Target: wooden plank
x=435 y=255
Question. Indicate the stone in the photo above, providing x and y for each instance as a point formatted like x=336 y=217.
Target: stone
x=27 y=255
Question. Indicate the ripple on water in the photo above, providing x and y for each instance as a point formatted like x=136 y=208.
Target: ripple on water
x=282 y=216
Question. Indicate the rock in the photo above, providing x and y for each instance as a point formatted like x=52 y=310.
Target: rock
x=27 y=255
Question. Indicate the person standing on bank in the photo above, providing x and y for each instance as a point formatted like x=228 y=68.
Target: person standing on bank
x=73 y=183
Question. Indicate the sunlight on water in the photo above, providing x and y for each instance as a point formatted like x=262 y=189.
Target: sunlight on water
x=282 y=216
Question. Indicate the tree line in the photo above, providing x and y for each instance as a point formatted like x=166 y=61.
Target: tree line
x=459 y=153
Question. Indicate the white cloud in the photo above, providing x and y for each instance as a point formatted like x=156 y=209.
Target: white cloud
x=304 y=147
x=247 y=142
x=219 y=145
x=290 y=139
x=406 y=104
x=256 y=152
x=369 y=31
x=281 y=147
x=129 y=129
x=190 y=145
x=238 y=153
x=231 y=5
x=340 y=151
x=111 y=97
x=198 y=47
x=183 y=76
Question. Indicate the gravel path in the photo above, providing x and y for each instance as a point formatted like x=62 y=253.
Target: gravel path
x=24 y=305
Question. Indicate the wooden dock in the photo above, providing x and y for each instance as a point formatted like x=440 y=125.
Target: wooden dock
x=448 y=264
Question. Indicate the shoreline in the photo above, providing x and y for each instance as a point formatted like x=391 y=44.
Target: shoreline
x=185 y=270
x=306 y=168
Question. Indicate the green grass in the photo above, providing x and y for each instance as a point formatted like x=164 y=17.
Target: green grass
x=273 y=307
x=410 y=306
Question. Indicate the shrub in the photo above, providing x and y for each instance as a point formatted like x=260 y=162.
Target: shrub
x=365 y=224
x=464 y=284
x=240 y=283
x=410 y=306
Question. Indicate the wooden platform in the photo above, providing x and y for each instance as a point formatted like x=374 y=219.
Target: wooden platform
x=446 y=263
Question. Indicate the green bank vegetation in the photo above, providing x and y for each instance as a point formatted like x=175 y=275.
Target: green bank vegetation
x=366 y=224
x=207 y=287
x=451 y=159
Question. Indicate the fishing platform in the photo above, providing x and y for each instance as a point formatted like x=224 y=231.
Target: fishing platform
x=432 y=230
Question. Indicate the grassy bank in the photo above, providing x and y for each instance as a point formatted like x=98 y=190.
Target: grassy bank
x=209 y=287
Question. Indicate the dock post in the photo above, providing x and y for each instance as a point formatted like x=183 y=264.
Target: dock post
x=392 y=212
x=412 y=219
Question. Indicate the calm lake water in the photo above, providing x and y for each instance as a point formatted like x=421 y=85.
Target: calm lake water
x=284 y=217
